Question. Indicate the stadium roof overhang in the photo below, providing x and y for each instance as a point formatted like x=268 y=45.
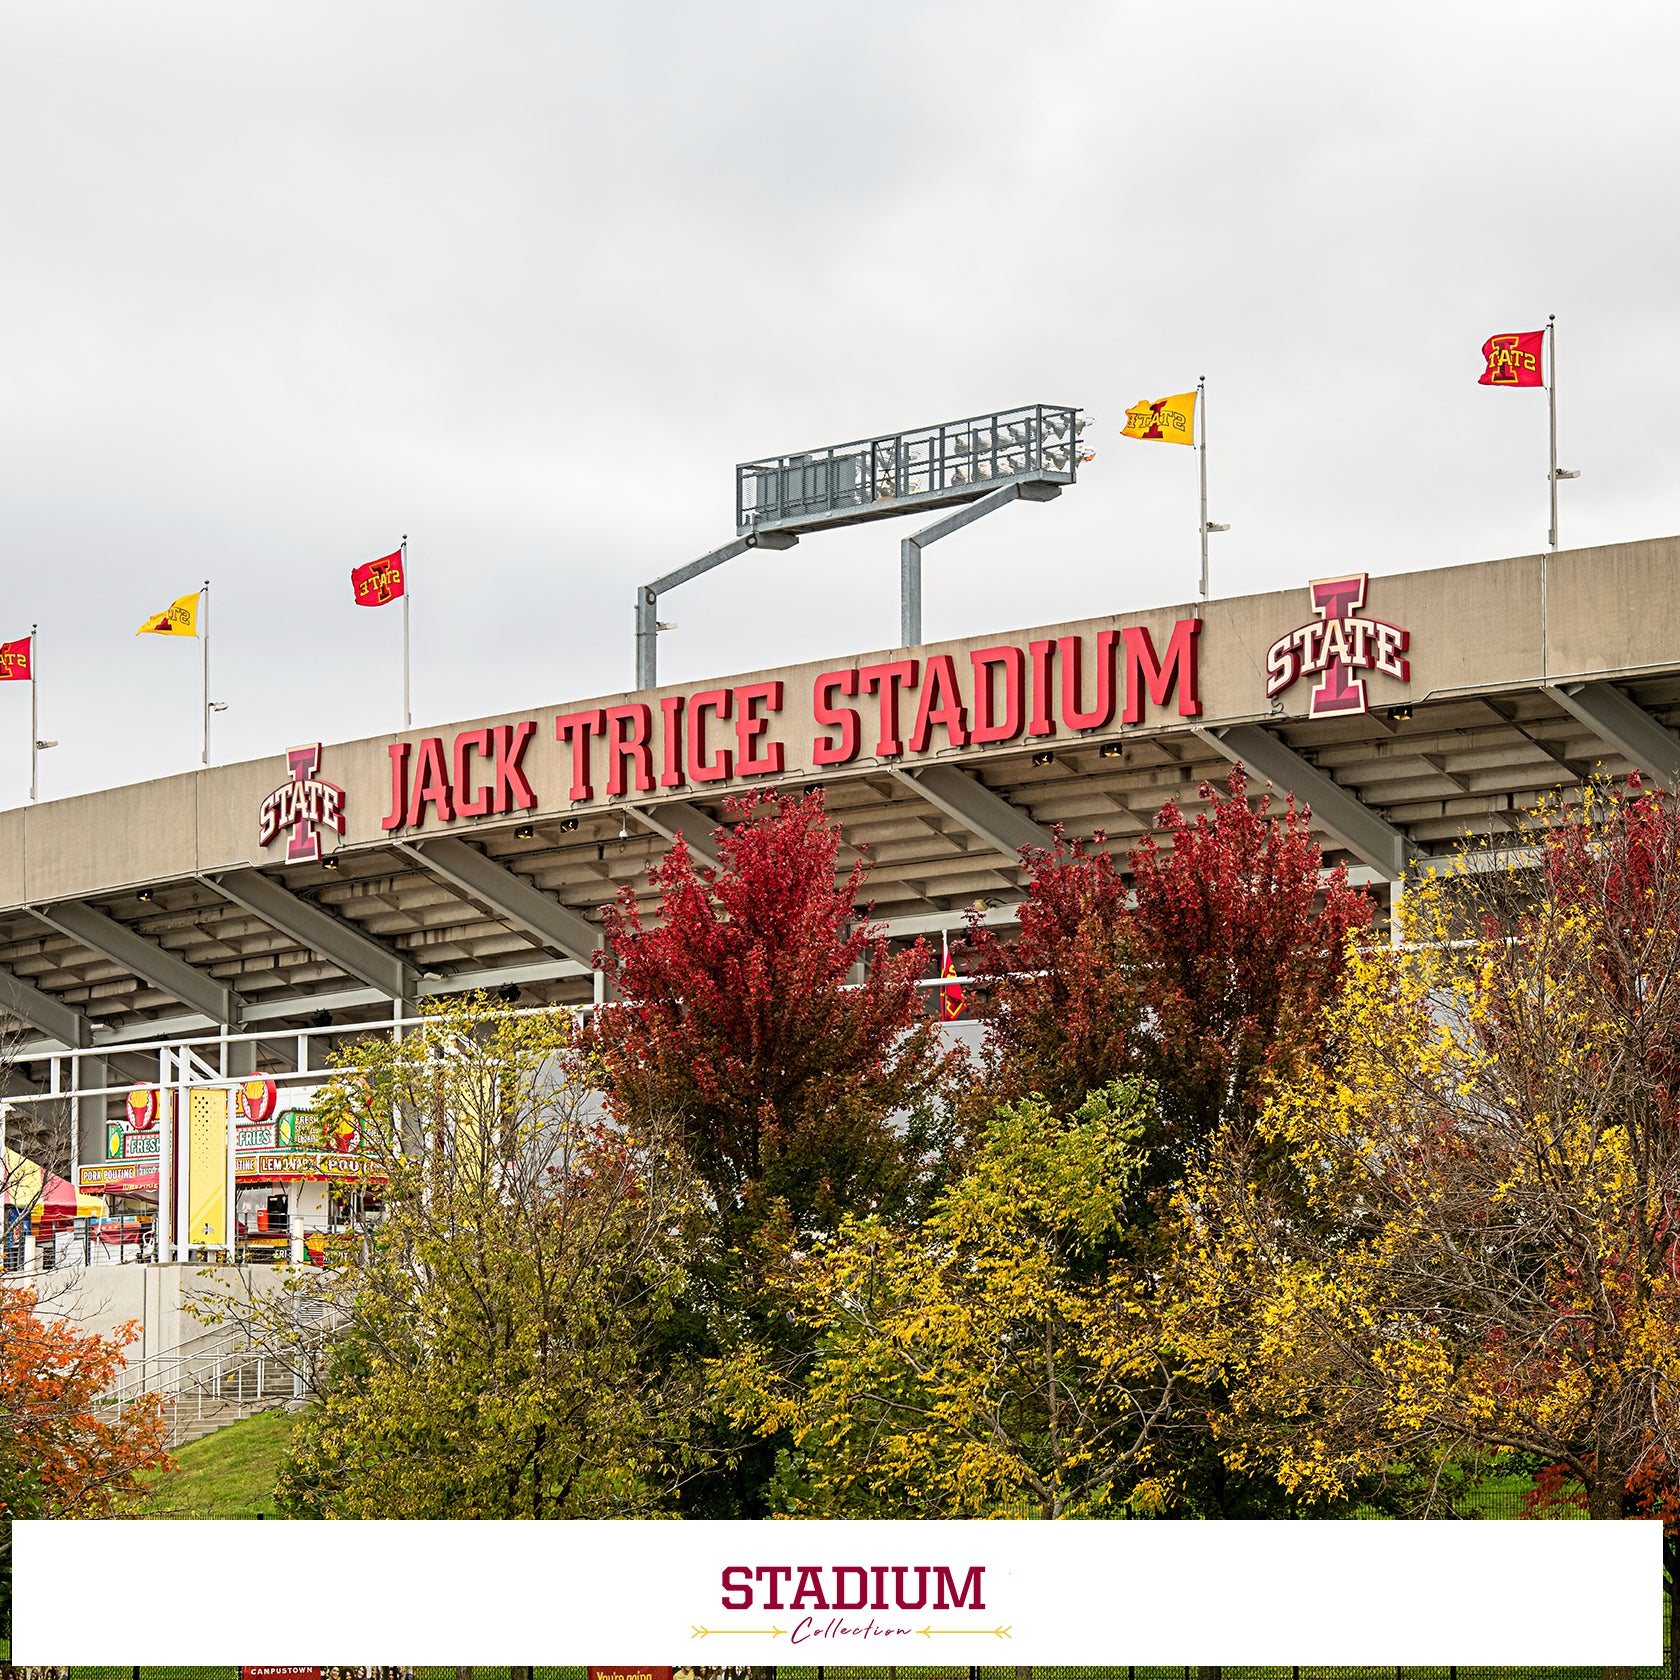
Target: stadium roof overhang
x=1408 y=712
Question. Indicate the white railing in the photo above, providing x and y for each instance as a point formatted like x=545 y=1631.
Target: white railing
x=200 y=1374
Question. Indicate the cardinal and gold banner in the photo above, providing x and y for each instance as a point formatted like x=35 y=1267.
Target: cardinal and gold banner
x=1166 y=420
x=15 y=664
x=379 y=581
x=179 y=618
x=1513 y=359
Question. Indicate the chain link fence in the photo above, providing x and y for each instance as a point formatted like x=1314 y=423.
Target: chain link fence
x=881 y=1672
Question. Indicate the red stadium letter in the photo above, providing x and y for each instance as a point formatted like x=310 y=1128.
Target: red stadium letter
x=1103 y=711
x=399 y=786
x=713 y=700
x=577 y=727
x=511 y=791
x=941 y=703
x=1014 y=664
x=843 y=718
x=672 y=742
x=749 y=726
x=1041 y=722
x=886 y=680
x=1144 y=670
x=628 y=728
x=468 y=803
x=431 y=784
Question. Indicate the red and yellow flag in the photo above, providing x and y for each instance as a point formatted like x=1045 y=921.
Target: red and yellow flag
x=1167 y=420
x=14 y=660
x=379 y=581
x=1513 y=359
x=179 y=618
x=950 y=994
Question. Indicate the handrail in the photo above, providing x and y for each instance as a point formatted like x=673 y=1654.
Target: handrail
x=203 y=1376
x=171 y=1373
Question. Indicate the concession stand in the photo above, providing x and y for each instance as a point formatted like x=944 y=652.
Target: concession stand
x=253 y=1173
x=42 y=1218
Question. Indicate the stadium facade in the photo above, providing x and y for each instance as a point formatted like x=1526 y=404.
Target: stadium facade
x=237 y=919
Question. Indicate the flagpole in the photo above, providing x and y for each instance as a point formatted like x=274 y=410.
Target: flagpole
x=204 y=679
x=408 y=715
x=1551 y=404
x=34 y=719
x=1201 y=450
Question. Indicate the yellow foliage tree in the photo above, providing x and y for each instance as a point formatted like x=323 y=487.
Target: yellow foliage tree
x=1456 y=1238
x=995 y=1359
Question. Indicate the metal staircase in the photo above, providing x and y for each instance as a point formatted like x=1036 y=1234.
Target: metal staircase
x=218 y=1379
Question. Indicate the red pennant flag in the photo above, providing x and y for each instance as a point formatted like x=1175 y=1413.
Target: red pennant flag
x=951 y=998
x=1513 y=359
x=379 y=581
x=14 y=661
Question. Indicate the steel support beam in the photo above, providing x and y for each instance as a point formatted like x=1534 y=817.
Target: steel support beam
x=328 y=936
x=160 y=969
x=910 y=549
x=45 y=1013
x=291 y=1009
x=983 y=813
x=1371 y=838
x=676 y=817
x=92 y=1074
x=1624 y=725
x=647 y=597
x=509 y=896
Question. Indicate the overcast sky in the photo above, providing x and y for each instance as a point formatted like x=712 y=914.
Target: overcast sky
x=281 y=282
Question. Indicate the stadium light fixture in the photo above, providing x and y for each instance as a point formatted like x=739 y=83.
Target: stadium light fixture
x=976 y=465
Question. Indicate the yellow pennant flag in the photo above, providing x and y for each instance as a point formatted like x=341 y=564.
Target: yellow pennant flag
x=179 y=618
x=1168 y=420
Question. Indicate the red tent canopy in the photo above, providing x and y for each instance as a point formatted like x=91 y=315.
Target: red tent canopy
x=57 y=1211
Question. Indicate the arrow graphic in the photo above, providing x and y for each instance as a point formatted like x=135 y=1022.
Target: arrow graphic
x=705 y=1632
x=997 y=1632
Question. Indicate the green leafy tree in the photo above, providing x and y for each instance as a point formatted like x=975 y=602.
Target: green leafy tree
x=994 y=1358
x=500 y=1357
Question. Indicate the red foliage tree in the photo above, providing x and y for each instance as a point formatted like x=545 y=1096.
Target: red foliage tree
x=1614 y=862
x=1212 y=968
x=1063 y=1002
x=737 y=1017
x=1243 y=943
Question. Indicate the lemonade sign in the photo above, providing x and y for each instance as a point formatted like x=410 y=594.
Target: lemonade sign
x=124 y=1144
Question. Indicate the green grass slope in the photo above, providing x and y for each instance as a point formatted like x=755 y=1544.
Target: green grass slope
x=228 y=1474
